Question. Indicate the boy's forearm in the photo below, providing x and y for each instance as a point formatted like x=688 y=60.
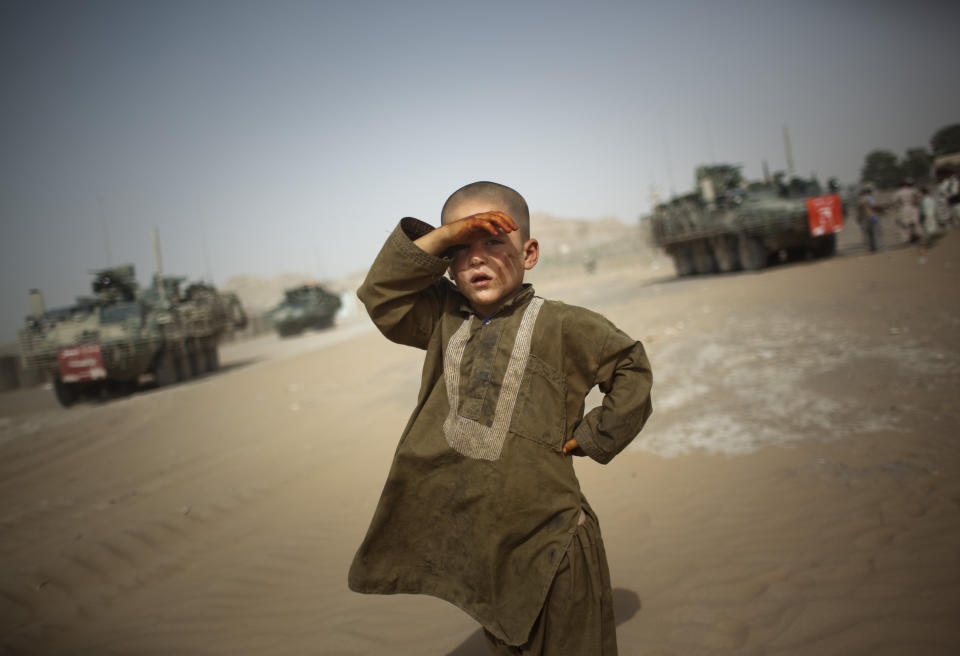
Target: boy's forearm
x=435 y=242
x=400 y=291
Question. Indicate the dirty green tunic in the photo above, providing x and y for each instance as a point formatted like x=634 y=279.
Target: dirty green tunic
x=480 y=504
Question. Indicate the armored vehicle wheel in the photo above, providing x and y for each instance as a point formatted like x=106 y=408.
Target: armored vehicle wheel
x=824 y=246
x=725 y=253
x=194 y=365
x=165 y=372
x=753 y=254
x=196 y=359
x=682 y=259
x=65 y=392
x=236 y=314
x=212 y=356
x=793 y=254
x=184 y=371
x=703 y=261
x=123 y=387
x=289 y=331
x=207 y=355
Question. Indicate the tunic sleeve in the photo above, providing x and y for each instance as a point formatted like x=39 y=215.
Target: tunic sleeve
x=404 y=291
x=624 y=376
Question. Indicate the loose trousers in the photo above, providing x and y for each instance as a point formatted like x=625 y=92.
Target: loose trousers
x=577 y=616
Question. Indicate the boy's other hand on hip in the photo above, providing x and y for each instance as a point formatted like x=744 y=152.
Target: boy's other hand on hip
x=572 y=448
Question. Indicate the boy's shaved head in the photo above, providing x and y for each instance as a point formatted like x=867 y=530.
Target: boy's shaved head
x=500 y=197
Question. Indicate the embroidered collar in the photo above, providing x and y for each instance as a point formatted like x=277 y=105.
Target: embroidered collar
x=470 y=437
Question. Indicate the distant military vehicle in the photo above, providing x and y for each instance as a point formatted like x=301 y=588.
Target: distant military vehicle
x=111 y=340
x=306 y=306
x=727 y=224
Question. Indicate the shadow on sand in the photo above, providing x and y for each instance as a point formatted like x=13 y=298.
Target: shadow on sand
x=626 y=604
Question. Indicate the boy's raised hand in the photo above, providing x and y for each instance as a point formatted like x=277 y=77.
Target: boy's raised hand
x=465 y=230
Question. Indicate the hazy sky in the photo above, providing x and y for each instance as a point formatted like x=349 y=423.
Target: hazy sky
x=267 y=137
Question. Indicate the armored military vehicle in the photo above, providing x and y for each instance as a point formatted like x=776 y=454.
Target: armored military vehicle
x=306 y=306
x=113 y=339
x=728 y=224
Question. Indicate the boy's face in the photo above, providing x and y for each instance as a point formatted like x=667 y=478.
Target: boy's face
x=490 y=269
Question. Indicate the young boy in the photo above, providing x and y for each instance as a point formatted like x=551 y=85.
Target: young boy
x=481 y=506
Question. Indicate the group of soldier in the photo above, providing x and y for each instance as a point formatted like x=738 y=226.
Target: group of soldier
x=919 y=214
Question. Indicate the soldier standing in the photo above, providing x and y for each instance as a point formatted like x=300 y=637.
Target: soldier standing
x=907 y=202
x=868 y=216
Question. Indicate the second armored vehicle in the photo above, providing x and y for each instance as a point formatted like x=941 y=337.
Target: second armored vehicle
x=306 y=306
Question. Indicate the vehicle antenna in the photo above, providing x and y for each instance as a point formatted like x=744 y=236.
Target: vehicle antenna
x=706 y=120
x=157 y=256
x=206 y=254
x=106 y=231
x=788 y=149
x=666 y=156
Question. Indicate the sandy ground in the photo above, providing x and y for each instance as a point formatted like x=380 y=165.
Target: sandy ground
x=796 y=491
